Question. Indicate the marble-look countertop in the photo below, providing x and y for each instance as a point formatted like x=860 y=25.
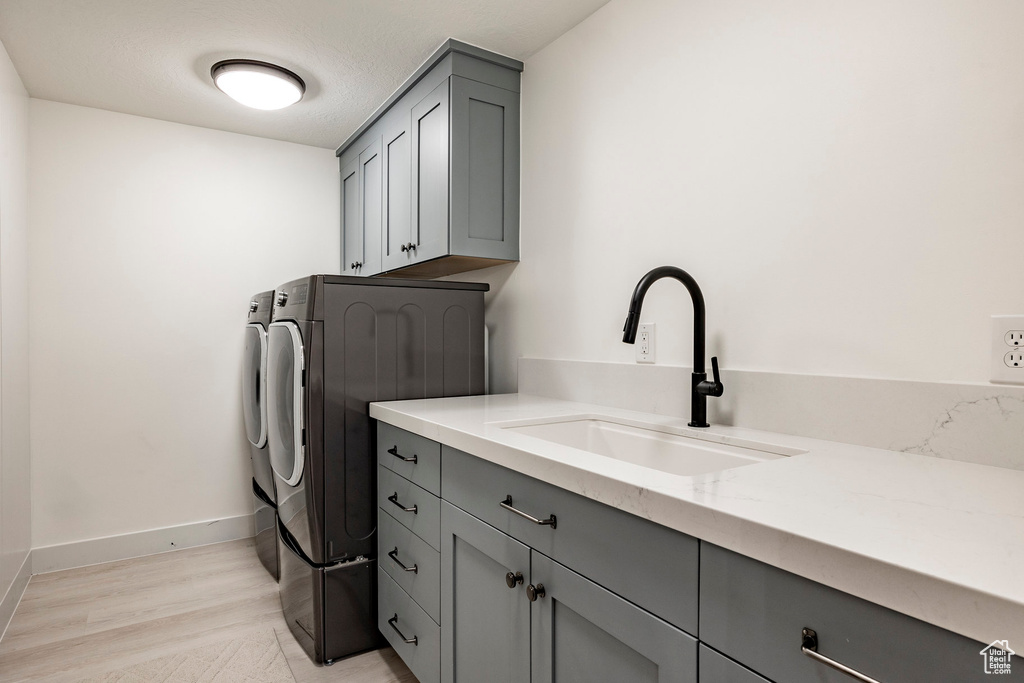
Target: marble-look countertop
x=940 y=540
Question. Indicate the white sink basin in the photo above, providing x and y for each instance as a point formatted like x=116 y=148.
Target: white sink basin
x=654 y=446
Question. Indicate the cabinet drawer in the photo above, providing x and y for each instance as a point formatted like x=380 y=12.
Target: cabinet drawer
x=413 y=507
x=717 y=668
x=423 y=657
x=755 y=613
x=413 y=564
x=606 y=545
x=394 y=444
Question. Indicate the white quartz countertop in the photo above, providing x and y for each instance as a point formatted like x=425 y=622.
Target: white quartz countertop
x=940 y=540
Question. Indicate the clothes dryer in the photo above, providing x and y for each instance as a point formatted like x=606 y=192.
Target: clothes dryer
x=335 y=345
x=254 y=409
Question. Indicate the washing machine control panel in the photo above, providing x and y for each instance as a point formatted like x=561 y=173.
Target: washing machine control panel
x=282 y=299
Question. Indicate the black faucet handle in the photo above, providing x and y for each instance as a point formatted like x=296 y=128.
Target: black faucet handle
x=715 y=387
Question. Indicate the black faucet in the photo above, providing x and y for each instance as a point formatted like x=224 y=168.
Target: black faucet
x=700 y=388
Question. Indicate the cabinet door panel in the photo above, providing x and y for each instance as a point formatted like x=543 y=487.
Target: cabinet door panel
x=351 y=227
x=370 y=197
x=485 y=634
x=397 y=218
x=717 y=668
x=485 y=170
x=430 y=180
x=582 y=633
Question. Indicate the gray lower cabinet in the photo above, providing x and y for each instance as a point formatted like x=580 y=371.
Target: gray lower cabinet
x=410 y=630
x=715 y=667
x=756 y=614
x=537 y=584
x=430 y=185
x=485 y=634
x=582 y=633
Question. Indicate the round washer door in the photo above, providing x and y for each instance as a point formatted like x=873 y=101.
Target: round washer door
x=284 y=405
x=254 y=384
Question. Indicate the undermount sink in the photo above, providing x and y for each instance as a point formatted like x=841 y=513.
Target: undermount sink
x=654 y=446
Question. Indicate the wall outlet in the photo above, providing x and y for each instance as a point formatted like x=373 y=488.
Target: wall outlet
x=1008 y=349
x=645 y=343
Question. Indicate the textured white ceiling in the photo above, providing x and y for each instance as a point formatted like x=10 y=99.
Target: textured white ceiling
x=153 y=57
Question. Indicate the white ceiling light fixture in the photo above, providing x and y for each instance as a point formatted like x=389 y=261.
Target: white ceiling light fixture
x=257 y=84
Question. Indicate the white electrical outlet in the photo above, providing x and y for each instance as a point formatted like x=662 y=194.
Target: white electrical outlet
x=1008 y=349
x=645 y=343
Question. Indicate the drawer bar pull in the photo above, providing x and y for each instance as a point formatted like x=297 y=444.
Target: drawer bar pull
x=394 y=556
x=394 y=451
x=507 y=504
x=809 y=646
x=394 y=499
x=393 y=622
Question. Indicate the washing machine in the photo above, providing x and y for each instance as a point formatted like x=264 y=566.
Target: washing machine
x=254 y=408
x=335 y=344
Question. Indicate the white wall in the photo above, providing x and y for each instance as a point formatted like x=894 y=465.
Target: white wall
x=147 y=240
x=15 y=464
x=842 y=178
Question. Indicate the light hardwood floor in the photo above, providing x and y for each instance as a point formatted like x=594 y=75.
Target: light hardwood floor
x=85 y=622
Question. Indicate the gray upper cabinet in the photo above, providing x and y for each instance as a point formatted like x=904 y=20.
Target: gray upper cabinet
x=429 y=234
x=485 y=170
x=436 y=171
x=396 y=224
x=361 y=209
x=351 y=229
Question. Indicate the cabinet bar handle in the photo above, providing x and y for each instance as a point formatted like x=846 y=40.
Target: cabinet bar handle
x=394 y=451
x=809 y=646
x=507 y=504
x=394 y=556
x=394 y=499
x=393 y=622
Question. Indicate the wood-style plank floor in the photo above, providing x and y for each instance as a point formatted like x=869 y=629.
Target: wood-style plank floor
x=85 y=622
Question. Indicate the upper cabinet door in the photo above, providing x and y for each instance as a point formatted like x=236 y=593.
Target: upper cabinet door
x=582 y=633
x=430 y=175
x=370 y=206
x=351 y=225
x=484 y=170
x=397 y=205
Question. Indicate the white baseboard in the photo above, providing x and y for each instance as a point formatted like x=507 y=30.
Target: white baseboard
x=54 y=558
x=14 y=593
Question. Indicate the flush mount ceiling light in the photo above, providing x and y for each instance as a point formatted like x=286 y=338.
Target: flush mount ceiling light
x=257 y=84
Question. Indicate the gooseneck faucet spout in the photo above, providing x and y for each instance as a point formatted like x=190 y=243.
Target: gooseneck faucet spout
x=700 y=388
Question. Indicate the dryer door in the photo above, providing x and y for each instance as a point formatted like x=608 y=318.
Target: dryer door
x=254 y=385
x=284 y=408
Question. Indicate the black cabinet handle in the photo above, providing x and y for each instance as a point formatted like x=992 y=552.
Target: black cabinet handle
x=394 y=556
x=809 y=646
x=394 y=499
x=534 y=592
x=507 y=504
x=393 y=622
x=394 y=451
x=513 y=580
